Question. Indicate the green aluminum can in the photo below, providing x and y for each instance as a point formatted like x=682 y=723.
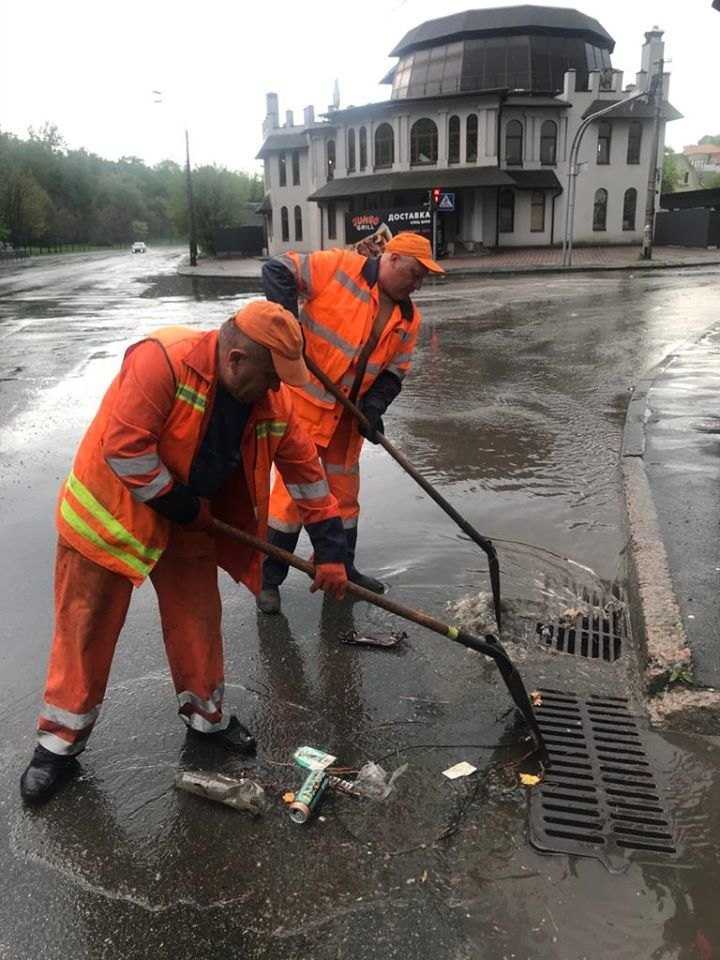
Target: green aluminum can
x=308 y=796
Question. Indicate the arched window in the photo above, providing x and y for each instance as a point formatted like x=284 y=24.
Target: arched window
x=298 y=223
x=548 y=143
x=384 y=146
x=423 y=142
x=629 y=206
x=284 y=224
x=471 y=138
x=282 y=170
x=351 y=150
x=600 y=209
x=514 y=144
x=330 y=158
x=634 y=141
x=603 y=144
x=363 y=147
x=454 y=140
x=506 y=211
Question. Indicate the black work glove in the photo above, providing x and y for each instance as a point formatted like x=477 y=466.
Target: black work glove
x=376 y=401
x=373 y=413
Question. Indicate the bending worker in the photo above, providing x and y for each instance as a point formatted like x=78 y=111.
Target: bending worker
x=189 y=428
x=360 y=328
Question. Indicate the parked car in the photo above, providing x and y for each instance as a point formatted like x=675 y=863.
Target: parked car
x=138 y=247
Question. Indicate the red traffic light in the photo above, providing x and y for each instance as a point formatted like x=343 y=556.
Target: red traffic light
x=436 y=194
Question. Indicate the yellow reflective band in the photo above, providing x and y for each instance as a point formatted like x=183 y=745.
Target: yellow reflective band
x=79 y=526
x=453 y=633
x=275 y=427
x=188 y=395
x=116 y=530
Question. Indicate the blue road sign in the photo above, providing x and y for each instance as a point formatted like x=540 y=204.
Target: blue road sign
x=447 y=203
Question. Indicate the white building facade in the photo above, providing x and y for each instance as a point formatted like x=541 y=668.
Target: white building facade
x=484 y=105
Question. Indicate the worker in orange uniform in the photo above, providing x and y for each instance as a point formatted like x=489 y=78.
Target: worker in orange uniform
x=188 y=429
x=360 y=328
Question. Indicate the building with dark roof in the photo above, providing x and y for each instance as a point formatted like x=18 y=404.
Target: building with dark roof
x=484 y=106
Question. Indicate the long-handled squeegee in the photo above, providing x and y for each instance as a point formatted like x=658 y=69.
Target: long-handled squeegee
x=483 y=542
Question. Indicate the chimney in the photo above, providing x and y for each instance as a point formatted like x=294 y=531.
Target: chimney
x=309 y=116
x=652 y=51
x=271 y=113
x=289 y=118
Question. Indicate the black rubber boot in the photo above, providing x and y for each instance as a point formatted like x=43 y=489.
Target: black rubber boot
x=268 y=600
x=235 y=737
x=354 y=575
x=274 y=572
x=45 y=774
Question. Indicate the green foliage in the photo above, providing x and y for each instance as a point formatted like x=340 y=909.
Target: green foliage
x=681 y=673
x=670 y=172
x=139 y=229
x=51 y=193
x=709 y=139
x=221 y=198
x=711 y=181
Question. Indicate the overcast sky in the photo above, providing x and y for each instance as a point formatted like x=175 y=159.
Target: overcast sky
x=91 y=67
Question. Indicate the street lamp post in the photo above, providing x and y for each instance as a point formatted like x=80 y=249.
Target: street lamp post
x=567 y=247
x=191 y=203
x=656 y=90
x=158 y=95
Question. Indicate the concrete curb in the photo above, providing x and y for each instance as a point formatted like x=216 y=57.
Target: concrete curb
x=655 y=611
x=471 y=272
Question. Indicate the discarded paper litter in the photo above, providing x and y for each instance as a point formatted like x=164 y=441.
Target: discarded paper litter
x=462 y=769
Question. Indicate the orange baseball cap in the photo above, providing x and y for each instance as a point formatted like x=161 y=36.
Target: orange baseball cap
x=277 y=329
x=414 y=245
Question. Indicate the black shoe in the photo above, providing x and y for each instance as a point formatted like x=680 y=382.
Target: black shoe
x=45 y=774
x=268 y=600
x=234 y=737
x=369 y=583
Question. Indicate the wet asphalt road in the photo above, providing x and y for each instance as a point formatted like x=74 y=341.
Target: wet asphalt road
x=515 y=409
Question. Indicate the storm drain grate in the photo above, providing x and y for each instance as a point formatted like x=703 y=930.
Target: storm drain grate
x=596 y=630
x=599 y=797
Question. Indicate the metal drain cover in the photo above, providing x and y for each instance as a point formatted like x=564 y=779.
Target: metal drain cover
x=598 y=631
x=599 y=797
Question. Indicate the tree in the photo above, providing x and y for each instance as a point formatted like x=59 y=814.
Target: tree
x=139 y=229
x=708 y=139
x=711 y=181
x=670 y=172
x=221 y=200
x=25 y=208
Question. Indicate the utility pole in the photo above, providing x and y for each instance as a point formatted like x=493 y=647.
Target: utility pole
x=656 y=91
x=191 y=204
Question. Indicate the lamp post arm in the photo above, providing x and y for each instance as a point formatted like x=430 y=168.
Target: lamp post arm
x=572 y=170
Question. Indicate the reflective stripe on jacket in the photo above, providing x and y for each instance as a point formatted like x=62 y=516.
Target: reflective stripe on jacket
x=339 y=302
x=102 y=511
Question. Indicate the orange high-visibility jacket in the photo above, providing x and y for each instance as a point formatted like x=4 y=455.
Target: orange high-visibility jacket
x=101 y=510
x=340 y=300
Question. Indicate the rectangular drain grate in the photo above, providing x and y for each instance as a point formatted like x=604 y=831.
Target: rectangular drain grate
x=599 y=797
x=597 y=632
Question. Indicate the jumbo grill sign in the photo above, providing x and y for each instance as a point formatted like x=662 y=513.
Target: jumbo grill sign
x=366 y=222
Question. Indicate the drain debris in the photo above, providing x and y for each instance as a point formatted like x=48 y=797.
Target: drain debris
x=596 y=630
x=599 y=797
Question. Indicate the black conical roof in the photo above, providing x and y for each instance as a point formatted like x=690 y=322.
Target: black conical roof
x=503 y=20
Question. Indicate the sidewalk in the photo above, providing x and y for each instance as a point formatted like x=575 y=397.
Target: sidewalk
x=671 y=468
x=520 y=260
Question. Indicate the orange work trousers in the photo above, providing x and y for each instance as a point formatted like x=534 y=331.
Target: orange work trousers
x=91 y=604
x=341 y=460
